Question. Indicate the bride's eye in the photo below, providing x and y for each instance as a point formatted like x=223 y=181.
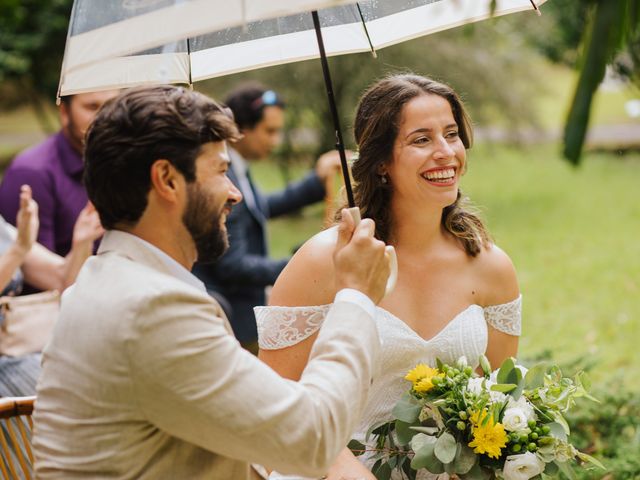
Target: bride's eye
x=421 y=140
x=452 y=134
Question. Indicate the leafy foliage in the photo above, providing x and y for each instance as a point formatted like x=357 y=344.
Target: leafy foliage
x=32 y=39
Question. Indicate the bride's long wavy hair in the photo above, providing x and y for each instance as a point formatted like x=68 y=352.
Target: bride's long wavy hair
x=376 y=127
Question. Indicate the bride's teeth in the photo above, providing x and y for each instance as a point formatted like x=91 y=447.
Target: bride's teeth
x=440 y=175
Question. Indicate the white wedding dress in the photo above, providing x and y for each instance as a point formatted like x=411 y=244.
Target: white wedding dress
x=402 y=349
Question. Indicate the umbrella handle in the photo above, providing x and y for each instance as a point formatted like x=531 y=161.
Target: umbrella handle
x=389 y=251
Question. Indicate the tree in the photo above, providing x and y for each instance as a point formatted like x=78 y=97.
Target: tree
x=32 y=39
x=613 y=26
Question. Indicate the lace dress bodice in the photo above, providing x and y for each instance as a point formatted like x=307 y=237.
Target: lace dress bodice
x=402 y=348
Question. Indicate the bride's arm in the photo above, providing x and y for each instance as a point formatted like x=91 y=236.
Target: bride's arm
x=500 y=278
x=308 y=279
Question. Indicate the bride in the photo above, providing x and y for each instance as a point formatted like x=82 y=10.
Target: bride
x=457 y=292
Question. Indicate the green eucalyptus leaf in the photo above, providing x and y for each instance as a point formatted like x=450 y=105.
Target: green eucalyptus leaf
x=427 y=430
x=558 y=431
x=535 y=376
x=404 y=432
x=588 y=458
x=446 y=447
x=423 y=446
x=551 y=469
x=557 y=416
x=476 y=473
x=566 y=469
x=505 y=369
x=503 y=387
x=377 y=429
x=465 y=460
x=407 y=409
x=356 y=447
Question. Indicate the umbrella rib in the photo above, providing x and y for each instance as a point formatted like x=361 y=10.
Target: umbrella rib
x=535 y=7
x=334 y=110
x=366 y=31
x=189 y=57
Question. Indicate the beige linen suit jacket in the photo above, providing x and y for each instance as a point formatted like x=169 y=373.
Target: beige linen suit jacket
x=143 y=379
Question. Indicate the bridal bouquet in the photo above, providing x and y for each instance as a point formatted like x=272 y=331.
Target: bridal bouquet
x=508 y=424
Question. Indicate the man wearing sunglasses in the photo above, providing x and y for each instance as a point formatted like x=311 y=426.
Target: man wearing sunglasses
x=244 y=272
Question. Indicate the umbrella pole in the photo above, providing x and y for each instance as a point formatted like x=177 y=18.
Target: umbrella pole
x=334 y=110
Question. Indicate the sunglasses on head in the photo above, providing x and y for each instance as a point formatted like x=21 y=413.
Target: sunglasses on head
x=269 y=97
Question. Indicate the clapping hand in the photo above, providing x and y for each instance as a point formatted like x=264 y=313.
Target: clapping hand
x=87 y=228
x=27 y=221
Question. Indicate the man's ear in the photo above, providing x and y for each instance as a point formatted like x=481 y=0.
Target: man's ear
x=165 y=179
x=65 y=114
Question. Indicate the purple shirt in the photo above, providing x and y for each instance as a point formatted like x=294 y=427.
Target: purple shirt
x=53 y=169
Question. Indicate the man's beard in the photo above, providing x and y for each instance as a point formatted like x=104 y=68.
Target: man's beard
x=204 y=225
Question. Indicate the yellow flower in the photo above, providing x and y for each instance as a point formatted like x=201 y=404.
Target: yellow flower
x=489 y=438
x=421 y=377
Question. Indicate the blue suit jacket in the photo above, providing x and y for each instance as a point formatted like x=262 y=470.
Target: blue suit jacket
x=244 y=271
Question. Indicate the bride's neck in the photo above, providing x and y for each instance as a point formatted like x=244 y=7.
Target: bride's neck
x=415 y=228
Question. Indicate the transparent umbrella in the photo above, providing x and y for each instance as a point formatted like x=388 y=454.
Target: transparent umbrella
x=132 y=42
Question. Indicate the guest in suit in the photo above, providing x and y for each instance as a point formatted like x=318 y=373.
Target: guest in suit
x=143 y=377
x=245 y=270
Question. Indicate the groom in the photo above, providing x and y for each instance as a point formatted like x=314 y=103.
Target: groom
x=143 y=377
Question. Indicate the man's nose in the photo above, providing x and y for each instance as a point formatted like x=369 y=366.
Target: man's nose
x=235 y=196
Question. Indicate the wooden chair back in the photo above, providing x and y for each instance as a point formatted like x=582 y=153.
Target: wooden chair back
x=15 y=439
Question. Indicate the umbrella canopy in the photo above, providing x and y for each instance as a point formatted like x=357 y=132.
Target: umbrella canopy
x=172 y=41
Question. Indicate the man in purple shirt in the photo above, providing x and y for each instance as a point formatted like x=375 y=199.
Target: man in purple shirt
x=54 y=169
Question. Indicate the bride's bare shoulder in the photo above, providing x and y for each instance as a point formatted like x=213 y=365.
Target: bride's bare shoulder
x=308 y=278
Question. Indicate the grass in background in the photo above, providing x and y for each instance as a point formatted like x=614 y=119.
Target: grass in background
x=573 y=236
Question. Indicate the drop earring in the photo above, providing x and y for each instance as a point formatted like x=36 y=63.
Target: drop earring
x=383 y=179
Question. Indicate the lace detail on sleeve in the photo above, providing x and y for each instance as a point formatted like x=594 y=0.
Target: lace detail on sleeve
x=280 y=327
x=507 y=317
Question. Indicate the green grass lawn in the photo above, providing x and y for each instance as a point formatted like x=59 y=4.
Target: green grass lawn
x=573 y=236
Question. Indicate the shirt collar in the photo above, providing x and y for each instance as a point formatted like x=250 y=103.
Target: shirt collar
x=70 y=159
x=172 y=266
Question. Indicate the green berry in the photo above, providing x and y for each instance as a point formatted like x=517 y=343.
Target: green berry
x=516 y=448
x=531 y=424
x=514 y=437
x=463 y=415
x=532 y=447
x=524 y=438
x=468 y=371
x=546 y=429
x=538 y=430
x=461 y=425
x=533 y=436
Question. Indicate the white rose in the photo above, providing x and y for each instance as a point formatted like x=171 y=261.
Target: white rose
x=475 y=386
x=522 y=467
x=514 y=419
x=524 y=405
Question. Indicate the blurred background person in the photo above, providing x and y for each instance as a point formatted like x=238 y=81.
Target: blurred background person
x=242 y=274
x=54 y=169
x=23 y=259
